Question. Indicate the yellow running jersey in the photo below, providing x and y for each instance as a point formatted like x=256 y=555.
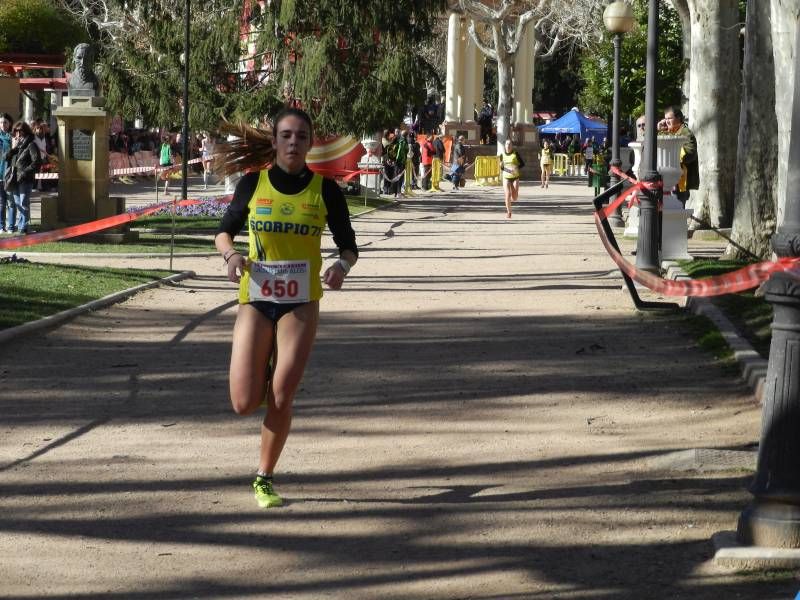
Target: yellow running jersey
x=285 y=232
x=510 y=165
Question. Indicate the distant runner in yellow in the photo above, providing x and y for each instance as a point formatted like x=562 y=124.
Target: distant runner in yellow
x=511 y=164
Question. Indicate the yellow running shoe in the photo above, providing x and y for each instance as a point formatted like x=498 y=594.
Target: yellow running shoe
x=265 y=495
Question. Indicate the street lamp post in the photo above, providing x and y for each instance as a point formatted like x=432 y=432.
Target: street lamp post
x=773 y=518
x=185 y=146
x=619 y=20
x=185 y=165
x=650 y=197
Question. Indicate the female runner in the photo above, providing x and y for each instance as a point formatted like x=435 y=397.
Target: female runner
x=286 y=208
x=206 y=157
x=546 y=162
x=510 y=164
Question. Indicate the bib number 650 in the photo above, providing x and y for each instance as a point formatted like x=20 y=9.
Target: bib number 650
x=277 y=288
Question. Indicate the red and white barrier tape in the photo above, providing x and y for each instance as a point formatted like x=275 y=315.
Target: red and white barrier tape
x=630 y=194
x=32 y=239
x=730 y=283
x=130 y=170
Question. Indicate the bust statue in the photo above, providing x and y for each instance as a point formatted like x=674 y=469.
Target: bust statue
x=82 y=81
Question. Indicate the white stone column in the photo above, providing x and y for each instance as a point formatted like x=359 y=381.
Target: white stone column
x=471 y=55
x=480 y=63
x=455 y=59
x=523 y=78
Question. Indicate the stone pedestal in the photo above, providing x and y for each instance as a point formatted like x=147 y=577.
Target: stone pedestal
x=525 y=134
x=83 y=168
x=674 y=230
x=470 y=130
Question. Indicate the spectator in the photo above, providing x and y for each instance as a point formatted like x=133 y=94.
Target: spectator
x=401 y=156
x=165 y=160
x=389 y=160
x=428 y=120
x=485 y=121
x=574 y=146
x=674 y=124
x=458 y=158
x=438 y=147
x=414 y=153
x=426 y=166
x=640 y=128
x=40 y=139
x=22 y=164
x=588 y=157
x=6 y=202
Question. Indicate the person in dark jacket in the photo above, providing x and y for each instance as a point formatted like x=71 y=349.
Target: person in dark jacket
x=22 y=163
x=6 y=202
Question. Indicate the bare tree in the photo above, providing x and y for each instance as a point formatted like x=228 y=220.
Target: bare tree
x=711 y=35
x=109 y=18
x=754 y=206
x=784 y=17
x=555 y=22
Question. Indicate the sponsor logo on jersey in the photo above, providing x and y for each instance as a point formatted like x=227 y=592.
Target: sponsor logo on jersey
x=287 y=208
x=285 y=227
x=264 y=202
x=263 y=211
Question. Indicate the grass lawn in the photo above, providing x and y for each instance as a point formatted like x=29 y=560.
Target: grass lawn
x=30 y=291
x=751 y=314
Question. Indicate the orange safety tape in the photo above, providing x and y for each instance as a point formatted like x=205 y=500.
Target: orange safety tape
x=630 y=194
x=128 y=170
x=737 y=281
x=32 y=239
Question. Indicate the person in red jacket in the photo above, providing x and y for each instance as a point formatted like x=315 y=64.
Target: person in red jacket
x=427 y=150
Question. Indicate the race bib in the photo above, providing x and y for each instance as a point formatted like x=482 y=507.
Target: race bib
x=281 y=281
x=512 y=170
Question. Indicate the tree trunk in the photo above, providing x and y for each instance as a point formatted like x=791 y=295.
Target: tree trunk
x=682 y=8
x=504 y=93
x=715 y=90
x=784 y=16
x=754 y=214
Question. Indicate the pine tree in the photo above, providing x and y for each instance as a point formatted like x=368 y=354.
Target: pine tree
x=353 y=69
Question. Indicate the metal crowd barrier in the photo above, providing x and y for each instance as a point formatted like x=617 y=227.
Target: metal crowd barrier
x=487 y=170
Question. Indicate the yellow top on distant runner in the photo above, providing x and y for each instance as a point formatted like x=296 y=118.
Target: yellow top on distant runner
x=510 y=165
x=285 y=232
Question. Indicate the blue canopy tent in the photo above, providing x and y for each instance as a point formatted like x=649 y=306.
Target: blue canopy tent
x=574 y=122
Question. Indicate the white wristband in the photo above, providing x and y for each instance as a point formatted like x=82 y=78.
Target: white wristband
x=345 y=265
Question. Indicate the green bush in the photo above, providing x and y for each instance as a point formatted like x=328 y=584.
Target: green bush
x=37 y=27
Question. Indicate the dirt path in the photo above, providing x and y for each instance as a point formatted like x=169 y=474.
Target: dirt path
x=484 y=417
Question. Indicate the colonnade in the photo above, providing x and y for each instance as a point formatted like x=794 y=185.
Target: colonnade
x=464 y=91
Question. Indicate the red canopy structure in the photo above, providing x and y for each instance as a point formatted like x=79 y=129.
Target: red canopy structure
x=14 y=63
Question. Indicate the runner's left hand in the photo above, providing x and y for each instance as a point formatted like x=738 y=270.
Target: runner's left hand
x=334 y=277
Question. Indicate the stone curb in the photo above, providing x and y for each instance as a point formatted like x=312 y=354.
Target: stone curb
x=751 y=364
x=58 y=318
